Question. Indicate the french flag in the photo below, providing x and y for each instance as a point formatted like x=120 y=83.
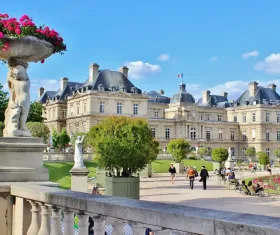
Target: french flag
x=180 y=75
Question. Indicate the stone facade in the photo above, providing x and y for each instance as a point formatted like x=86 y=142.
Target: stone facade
x=253 y=120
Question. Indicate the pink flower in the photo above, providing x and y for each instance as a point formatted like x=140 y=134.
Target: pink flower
x=1 y=35
x=18 y=32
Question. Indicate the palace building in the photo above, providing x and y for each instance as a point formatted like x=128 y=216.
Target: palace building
x=253 y=120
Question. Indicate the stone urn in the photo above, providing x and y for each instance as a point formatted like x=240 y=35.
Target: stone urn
x=21 y=51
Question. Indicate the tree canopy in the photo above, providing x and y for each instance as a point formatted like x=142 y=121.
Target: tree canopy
x=178 y=148
x=122 y=144
x=219 y=154
x=203 y=151
x=3 y=103
x=277 y=152
x=60 y=140
x=38 y=129
x=36 y=112
x=250 y=152
x=263 y=158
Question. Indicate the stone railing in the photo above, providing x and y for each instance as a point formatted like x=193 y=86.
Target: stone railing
x=60 y=156
x=52 y=207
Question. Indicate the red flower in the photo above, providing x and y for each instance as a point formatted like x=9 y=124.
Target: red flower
x=42 y=61
x=18 y=32
x=1 y=35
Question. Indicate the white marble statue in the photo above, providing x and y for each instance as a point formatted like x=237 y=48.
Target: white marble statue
x=229 y=152
x=19 y=102
x=78 y=157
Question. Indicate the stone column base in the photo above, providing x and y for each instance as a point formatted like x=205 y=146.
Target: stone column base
x=21 y=159
x=79 y=179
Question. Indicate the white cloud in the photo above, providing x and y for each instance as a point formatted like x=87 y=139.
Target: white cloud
x=249 y=54
x=140 y=69
x=270 y=64
x=47 y=84
x=213 y=59
x=163 y=57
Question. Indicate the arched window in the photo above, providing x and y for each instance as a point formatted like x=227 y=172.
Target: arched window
x=193 y=133
x=244 y=152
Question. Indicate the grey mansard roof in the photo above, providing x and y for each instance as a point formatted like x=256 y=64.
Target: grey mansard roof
x=215 y=101
x=182 y=96
x=155 y=97
x=107 y=78
x=263 y=96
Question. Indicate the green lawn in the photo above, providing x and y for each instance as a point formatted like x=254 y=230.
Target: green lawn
x=59 y=172
x=162 y=166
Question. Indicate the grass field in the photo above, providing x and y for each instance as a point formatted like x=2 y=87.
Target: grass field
x=162 y=166
x=59 y=172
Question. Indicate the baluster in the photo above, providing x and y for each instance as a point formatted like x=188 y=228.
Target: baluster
x=118 y=227
x=83 y=223
x=68 y=222
x=56 y=221
x=138 y=229
x=34 y=226
x=99 y=225
x=45 y=222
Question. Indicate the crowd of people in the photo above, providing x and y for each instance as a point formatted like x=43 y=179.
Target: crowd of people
x=191 y=174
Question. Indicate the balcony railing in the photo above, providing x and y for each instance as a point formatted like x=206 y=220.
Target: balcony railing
x=53 y=210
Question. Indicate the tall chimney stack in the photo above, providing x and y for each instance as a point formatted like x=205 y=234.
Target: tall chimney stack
x=272 y=86
x=93 y=71
x=205 y=97
x=224 y=94
x=124 y=70
x=41 y=91
x=63 y=83
x=253 y=86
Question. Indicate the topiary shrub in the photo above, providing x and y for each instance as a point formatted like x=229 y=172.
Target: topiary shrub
x=219 y=154
x=178 y=148
x=263 y=158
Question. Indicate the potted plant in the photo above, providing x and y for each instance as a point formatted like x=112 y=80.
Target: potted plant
x=21 y=41
x=123 y=146
x=263 y=159
x=178 y=148
x=250 y=153
x=219 y=155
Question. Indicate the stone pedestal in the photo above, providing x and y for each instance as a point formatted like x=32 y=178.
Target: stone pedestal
x=21 y=159
x=229 y=163
x=79 y=179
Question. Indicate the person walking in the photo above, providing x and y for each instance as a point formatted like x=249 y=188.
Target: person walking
x=204 y=176
x=191 y=176
x=172 y=171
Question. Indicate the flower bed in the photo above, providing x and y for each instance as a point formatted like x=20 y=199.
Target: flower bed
x=14 y=28
x=271 y=182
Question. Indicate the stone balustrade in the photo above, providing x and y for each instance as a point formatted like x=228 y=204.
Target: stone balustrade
x=50 y=206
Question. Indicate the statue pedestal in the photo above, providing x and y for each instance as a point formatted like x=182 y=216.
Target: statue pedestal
x=229 y=163
x=21 y=159
x=79 y=179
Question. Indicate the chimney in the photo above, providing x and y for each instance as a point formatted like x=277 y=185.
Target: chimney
x=63 y=83
x=272 y=86
x=124 y=70
x=205 y=97
x=93 y=71
x=224 y=94
x=41 y=91
x=253 y=86
x=162 y=92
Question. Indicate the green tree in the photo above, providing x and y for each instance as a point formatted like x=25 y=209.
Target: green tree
x=2 y=126
x=155 y=150
x=203 y=151
x=55 y=139
x=250 y=153
x=178 y=148
x=36 y=112
x=122 y=143
x=219 y=154
x=3 y=103
x=64 y=139
x=38 y=129
x=277 y=152
x=263 y=158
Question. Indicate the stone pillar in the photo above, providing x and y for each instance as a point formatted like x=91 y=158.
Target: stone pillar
x=138 y=229
x=68 y=222
x=79 y=179
x=83 y=224
x=99 y=225
x=45 y=226
x=56 y=221
x=34 y=226
x=118 y=227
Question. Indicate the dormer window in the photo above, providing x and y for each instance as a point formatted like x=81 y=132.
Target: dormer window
x=134 y=90
x=113 y=88
x=123 y=89
x=100 y=87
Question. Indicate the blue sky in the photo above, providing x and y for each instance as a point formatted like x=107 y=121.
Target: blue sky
x=218 y=45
